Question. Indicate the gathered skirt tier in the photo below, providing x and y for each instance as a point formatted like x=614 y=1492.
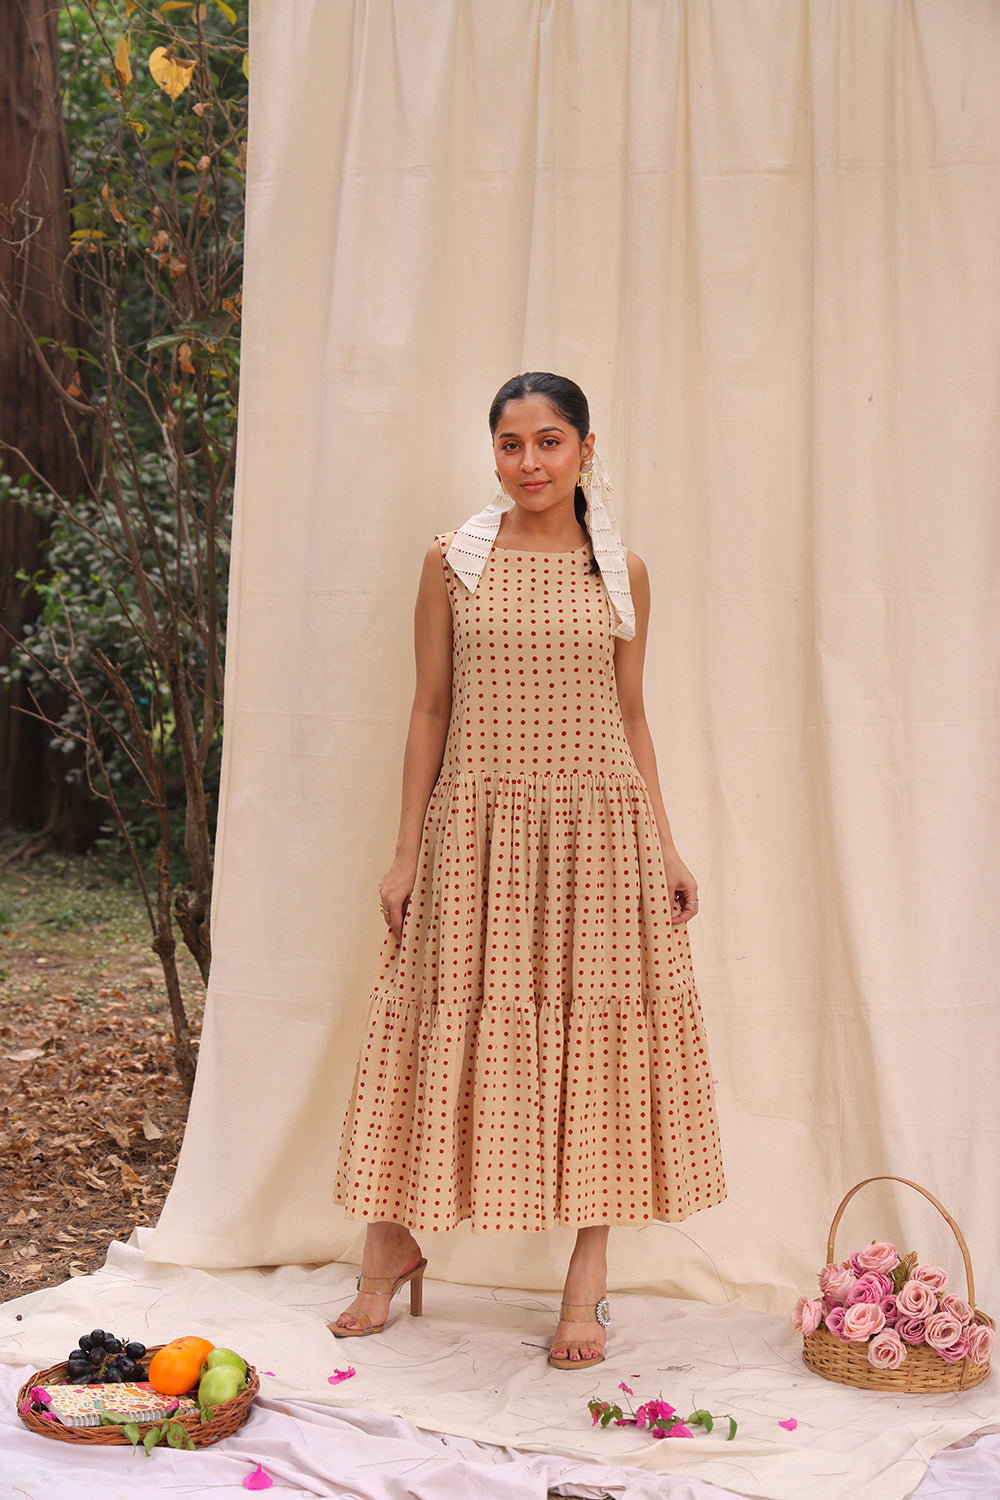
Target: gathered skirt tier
x=534 y=1049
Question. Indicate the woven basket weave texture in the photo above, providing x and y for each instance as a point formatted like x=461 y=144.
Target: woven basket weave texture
x=923 y=1371
x=229 y=1415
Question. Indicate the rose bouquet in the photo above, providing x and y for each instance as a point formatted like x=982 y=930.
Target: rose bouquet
x=895 y=1305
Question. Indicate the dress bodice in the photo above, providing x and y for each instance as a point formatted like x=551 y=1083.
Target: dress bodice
x=534 y=689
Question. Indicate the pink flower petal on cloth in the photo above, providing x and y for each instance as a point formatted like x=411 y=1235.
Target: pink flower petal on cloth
x=789 y=1425
x=339 y=1375
x=258 y=1480
x=627 y=1389
x=269 y=1372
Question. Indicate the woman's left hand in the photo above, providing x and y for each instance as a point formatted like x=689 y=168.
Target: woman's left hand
x=683 y=891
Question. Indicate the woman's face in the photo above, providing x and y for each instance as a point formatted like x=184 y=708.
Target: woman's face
x=538 y=454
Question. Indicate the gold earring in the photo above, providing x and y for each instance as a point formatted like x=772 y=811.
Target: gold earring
x=585 y=476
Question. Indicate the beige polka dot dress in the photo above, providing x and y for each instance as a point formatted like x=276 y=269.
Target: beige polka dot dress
x=534 y=1050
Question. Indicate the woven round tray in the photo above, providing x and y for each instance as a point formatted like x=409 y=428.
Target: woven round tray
x=229 y=1415
x=923 y=1369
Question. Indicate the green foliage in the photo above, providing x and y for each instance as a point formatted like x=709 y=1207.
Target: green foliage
x=173 y=1433
x=68 y=893
x=135 y=568
x=89 y=604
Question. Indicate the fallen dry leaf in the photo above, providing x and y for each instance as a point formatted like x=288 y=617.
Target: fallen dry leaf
x=108 y=1061
x=118 y=1133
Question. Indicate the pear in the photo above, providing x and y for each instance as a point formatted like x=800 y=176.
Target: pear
x=217 y=1357
x=219 y=1385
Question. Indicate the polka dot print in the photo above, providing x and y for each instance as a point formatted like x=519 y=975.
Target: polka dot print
x=534 y=1051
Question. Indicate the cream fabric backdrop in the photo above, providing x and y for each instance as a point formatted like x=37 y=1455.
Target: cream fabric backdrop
x=764 y=236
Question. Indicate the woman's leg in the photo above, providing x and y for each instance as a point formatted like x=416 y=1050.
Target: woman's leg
x=390 y=1250
x=586 y=1284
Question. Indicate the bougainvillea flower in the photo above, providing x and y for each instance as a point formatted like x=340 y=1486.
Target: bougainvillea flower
x=258 y=1480
x=678 y=1430
x=339 y=1375
x=627 y=1389
x=789 y=1424
x=652 y=1411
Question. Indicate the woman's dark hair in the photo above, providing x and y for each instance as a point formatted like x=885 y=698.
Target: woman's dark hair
x=566 y=397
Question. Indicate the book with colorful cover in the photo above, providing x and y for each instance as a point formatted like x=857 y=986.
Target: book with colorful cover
x=135 y=1401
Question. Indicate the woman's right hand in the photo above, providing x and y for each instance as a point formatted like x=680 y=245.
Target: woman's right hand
x=394 y=891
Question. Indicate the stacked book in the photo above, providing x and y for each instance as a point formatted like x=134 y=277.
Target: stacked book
x=136 y=1401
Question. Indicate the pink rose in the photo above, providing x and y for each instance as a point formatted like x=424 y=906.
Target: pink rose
x=942 y=1330
x=982 y=1342
x=835 y=1282
x=931 y=1276
x=870 y=1288
x=862 y=1320
x=808 y=1315
x=916 y=1299
x=878 y=1256
x=891 y=1311
x=834 y=1321
x=956 y=1351
x=910 y=1330
x=886 y=1350
x=958 y=1308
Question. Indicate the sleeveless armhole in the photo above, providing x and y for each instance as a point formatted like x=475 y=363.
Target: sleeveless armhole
x=444 y=541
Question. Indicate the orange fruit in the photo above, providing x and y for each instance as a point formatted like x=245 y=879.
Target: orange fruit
x=175 y=1368
x=191 y=1341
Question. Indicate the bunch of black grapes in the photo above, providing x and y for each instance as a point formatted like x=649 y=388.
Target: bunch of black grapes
x=101 y=1358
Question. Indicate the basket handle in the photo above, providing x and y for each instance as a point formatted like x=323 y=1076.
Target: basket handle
x=931 y=1199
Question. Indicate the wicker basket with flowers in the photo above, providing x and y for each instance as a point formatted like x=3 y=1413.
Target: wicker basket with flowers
x=885 y=1321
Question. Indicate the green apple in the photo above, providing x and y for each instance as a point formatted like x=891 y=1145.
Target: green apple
x=219 y=1385
x=224 y=1357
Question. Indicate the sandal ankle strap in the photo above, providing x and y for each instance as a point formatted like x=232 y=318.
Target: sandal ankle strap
x=599 y=1312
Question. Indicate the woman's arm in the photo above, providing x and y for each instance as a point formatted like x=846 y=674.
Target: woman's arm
x=425 y=741
x=629 y=659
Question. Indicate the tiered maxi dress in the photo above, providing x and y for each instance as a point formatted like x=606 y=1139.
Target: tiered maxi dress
x=535 y=1050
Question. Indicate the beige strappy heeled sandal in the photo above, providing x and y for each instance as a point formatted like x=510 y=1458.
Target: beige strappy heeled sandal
x=384 y=1286
x=598 y=1312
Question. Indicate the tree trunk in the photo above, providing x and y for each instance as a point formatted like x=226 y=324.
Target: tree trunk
x=36 y=272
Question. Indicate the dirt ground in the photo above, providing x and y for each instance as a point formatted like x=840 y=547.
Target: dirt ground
x=91 y=1110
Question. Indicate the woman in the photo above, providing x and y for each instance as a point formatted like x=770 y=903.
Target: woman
x=535 y=1052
